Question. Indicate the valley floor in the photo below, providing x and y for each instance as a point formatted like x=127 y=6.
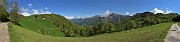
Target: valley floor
x=154 y=33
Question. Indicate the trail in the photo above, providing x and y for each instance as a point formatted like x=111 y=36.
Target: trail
x=4 y=34
x=173 y=34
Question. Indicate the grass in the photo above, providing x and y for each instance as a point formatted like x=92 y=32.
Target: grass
x=40 y=24
x=51 y=25
x=155 y=33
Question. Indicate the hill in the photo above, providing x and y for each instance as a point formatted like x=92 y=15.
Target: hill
x=154 y=33
x=47 y=24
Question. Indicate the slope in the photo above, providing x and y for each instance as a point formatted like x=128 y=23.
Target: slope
x=46 y=24
x=154 y=33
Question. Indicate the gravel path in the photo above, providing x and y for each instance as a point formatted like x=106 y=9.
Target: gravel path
x=4 y=34
x=173 y=34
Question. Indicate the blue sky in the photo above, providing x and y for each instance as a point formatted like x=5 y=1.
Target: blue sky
x=84 y=8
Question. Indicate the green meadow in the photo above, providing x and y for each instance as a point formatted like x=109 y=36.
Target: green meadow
x=154 y=33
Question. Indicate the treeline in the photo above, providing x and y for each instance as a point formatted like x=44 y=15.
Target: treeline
x=136 y=21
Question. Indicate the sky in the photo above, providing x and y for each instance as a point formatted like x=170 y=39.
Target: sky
x=87 y=8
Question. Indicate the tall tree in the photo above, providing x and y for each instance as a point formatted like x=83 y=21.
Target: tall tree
x=3 y=12
x=14 y=12
x=3 y=4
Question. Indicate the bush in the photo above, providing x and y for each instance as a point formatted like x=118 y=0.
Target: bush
x=176 y=19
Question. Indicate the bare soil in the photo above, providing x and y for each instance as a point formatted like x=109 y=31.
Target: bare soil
x=4 y=34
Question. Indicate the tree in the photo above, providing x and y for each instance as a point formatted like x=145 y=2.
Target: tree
x=83 y=32
x=130 y=24
x=3 y=4
x=104 y=26
x=138 y=24
x=3 y=12
x=90 y=31
x=77 y=31
x=157 y=21
x=176 y=19
x=119 y=26
x=112 y=28
x=14 y=16
x=96 y=30
x=70 y=33
x=148 y=21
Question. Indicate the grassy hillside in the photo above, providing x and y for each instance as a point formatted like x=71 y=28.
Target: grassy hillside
x=154 y=33
x=46 y=24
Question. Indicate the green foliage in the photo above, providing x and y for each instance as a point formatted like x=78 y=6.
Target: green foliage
x=3 y=15
x=112 y=28
x=96 y=30
x=83 y=32
x=178 y=23
x=148 y=21
x=176 y=19
x=3 y=4
x=103 y=27
x=3 y=12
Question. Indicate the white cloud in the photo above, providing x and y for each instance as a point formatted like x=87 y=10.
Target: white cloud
x=131 y=14
x=77 y=17
x=156 y=10
x=29 y=5
x=40 y=12
x=25 y=14
x=106 y=13
x=127 y=13
x=35 y=11
x=46 y=12
x=24 y=11
x=69 y=17
x=168 y=11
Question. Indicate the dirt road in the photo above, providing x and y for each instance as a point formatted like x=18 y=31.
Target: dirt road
x=4 y=34
x=173 y=34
